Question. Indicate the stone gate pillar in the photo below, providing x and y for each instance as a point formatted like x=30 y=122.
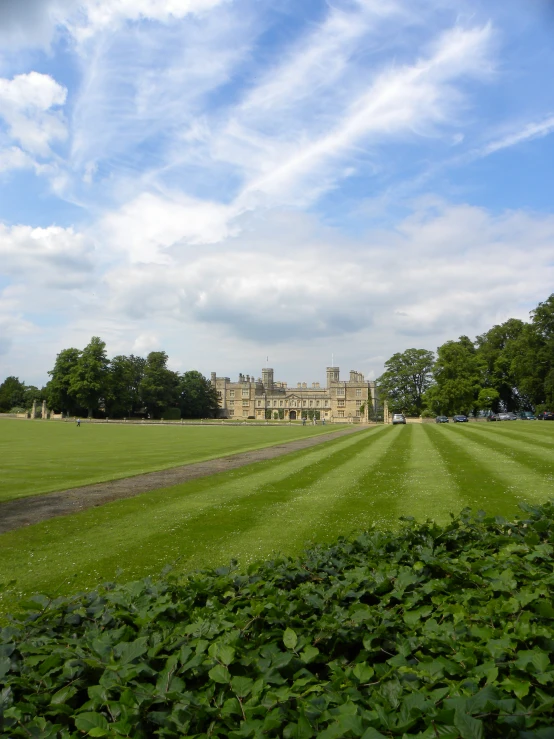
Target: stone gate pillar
x=34 y=411
x=44 y=410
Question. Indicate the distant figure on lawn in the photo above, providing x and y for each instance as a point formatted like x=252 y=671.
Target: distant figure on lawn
x=78 y=423
x=303 y=422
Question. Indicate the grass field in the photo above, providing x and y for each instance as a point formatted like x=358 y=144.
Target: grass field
x=374 y=476
x=41 y=456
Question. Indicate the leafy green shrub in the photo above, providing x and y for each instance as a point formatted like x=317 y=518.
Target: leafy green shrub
x=171 y=414
x=429 y=631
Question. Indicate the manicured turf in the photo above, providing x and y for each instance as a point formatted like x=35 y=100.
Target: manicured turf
x=42 y=456
x=374 y=476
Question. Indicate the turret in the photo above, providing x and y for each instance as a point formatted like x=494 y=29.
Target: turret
x=333 y=374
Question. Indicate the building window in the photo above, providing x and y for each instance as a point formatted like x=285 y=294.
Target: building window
x=245 y=414
x=340 y=392
x=275 y=404
x=340 y=403
x=281 y=403
x=341 y=414
x=358 y=403
x=231 y=393
x=359 y=392
x=317 y=403
x=245 y=392
x=231 y=402
x=245 y=403
x=311 y=403
x=304 y=403
x=259 y=403
x=231 y=413
x=358 y=413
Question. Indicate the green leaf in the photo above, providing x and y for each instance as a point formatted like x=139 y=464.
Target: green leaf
x=363 y=672
x=92 y=722
x=289 y=638
x=469 y=727
x=242 y=686
x=372 y=733
x=128 y=651
x=220 y=674
x=308 y=654
x=63 y=695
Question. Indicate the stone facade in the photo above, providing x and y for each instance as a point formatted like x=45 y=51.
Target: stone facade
x=266 y=398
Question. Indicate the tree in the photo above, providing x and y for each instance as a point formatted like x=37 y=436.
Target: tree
x=123 y=393
x=88 y=377
x=12 y=394
x=58 y=395
x=458 y=375
x=197 y=396
x=159 y=387
x=406 y=378
x=495 y=348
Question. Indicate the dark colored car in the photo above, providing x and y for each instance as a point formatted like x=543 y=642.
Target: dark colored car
x=546 y=416
x=441 y=419
x=492 y=417
x=460 y=419
x=526 y=416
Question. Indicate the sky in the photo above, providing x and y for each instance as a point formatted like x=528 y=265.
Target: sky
x=284 y=183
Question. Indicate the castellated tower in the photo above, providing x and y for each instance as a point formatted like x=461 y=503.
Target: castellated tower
x=267 y=378
x=332 y=375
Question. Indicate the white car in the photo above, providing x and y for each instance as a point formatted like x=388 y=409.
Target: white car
x=398 y=418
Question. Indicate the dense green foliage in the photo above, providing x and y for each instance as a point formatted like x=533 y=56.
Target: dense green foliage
x=88 y=383
x=510 y=367
x=16 y=394
x=430 y=631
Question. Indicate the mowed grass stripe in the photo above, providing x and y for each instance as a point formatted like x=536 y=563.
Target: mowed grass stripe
x=529 y=441
x=318 y=512
x=140 y=535
x=527 y=454
x=488 y=476
x=413 y=468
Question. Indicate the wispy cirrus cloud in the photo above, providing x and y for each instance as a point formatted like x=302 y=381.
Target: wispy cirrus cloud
x=528 y=132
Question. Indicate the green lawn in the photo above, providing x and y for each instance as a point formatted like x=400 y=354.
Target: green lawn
x=343 y=485
x=42 y=456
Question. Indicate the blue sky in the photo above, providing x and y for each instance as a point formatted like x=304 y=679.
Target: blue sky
x=232 y=179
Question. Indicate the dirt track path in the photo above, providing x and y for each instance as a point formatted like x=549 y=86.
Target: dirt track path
x=37 y=508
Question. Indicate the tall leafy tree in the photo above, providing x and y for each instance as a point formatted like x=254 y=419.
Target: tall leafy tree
x=123 y=394
x=495 y=348
x=159 y=387
x=406 y=378
x=88 y=380
x=58 y=395
x=197 y=396
x=12 y=394
x=458 y=373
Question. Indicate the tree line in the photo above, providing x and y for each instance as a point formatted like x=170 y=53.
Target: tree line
x=85 y=382
x=508 y=368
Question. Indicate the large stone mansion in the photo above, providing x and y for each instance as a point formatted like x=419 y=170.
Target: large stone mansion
x=266 y=398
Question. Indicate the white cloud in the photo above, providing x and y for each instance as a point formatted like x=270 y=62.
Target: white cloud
x=53 y=257
x=105 y=15
x=14 y=158
x=527 y=133
x=284 y=279
x=28 y=105
x=149 y=226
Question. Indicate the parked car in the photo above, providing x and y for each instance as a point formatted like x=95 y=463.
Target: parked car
x=526 y=416
x=506 y=417
x=460 y=419
x=441 y=419
x=546 y=416
x=492 y=417
x=398 y=418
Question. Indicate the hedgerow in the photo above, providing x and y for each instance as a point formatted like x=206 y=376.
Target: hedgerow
x=428 y=631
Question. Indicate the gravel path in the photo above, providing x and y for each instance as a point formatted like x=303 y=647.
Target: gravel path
x=37 y=508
